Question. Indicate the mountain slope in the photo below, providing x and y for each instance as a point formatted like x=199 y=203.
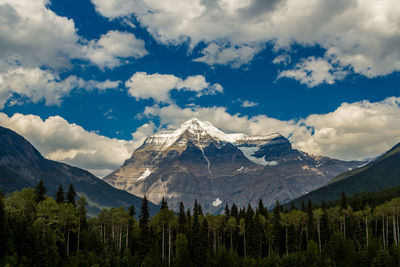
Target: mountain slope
x=198 y=161
x=377 y=175
x=21 y=165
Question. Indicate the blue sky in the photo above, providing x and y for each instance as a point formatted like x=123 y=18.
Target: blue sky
x=86 y=81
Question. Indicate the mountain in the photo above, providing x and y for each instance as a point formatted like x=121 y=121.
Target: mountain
x=21 y=165
x=198 y=161
x=382 y=173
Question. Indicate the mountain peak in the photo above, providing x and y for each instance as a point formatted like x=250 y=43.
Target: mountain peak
x=200 y=131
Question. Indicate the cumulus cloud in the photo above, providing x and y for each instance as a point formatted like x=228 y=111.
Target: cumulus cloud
x=36 y=45
x=32 y=35
x=248 y=104
x=215 y=54
x=35 y=84
x=112 y=47
x=57 y=139
x=353 y=131
x=362 y=35
x=158 y=86
x=314 y=71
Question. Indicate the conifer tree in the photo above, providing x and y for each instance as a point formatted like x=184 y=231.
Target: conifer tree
x=235 y=211
x=71 y=194
x=310 y=221
x=343 y=201
x=60 y=196
x=227 y=211
x=261 y=210
x=40 y=191
x=164 y=204
x=277 y=230
x=198 y=249
x=325 y=233
x=144 y=219
x=181 y=219
x=132 y=211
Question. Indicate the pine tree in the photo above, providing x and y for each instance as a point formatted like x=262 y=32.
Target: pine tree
x=310 y=221
x=261 y=210
x=325 y=233
x=71 y=194
x=343 y=201
x=132 y=211
x=227 y=211
x=60 y=196
x=181 y=219
x=276 y=228
x=144 y=219
x=235 y=211
x=198 y=250
x=164 y=204
x=40 y=191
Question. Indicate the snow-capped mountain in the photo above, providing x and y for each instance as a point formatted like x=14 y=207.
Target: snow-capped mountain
x=199 y=161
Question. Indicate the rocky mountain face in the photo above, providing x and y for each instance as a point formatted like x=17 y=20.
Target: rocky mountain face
x=21 y=165
x=198 y=161
x=382 y=173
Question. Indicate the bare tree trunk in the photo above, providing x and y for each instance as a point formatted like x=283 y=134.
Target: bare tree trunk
x=344 y=227
x=231 y=240
x=394 y=228
x=366 y=228
x=244 y=242
x=387 y=231
x=397 y=225
x=319 y=237
x=79 y=234
x=127 y=236
x=287 y=245
x=163 y=245
x=169 y=245
x=383 y=231
x=215 y=242
x=68 y=242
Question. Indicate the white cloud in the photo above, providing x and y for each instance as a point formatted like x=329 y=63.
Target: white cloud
x=36 y=84
x=353 y=131
x=112 y=48
x=215 y=54
x=248 y=104
x=67 y=142
x=158 y=86
x=314 y=71
x=32 y=35
x=361 y=34
x=36 y=45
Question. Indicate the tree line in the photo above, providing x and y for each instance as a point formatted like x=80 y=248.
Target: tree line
x=37 y=230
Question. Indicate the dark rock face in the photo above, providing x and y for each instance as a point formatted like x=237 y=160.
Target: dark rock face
x=198 y=161
x=21 y=165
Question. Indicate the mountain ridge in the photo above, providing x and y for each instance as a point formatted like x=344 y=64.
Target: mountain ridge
x=22 y=165
x=377 y=175
x=199 y=161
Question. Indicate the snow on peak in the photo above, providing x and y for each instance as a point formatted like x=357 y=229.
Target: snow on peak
x=201 y=129
x=144 y=175
x=217 y=202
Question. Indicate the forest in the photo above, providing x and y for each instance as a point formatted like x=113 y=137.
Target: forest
x=39 y=230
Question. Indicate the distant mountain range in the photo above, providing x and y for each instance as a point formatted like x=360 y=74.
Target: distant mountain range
x=21 y=165
x=198 y=161
x=382 y=173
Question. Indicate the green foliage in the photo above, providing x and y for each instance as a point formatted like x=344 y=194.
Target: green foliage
x=51 y=233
